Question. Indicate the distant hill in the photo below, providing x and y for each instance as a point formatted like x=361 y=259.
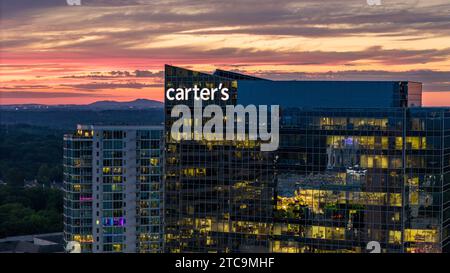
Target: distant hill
x=138 y=104
x=137 y=112
x=135 y=104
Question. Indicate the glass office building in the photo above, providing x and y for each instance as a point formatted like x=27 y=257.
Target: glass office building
x=214 y=189
x=350 y=176
x=113 y=188
x=357 y=162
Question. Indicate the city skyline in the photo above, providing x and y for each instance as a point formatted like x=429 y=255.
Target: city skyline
x=52 y=53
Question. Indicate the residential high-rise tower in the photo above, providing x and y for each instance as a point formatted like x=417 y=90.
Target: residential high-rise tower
x=113 y=188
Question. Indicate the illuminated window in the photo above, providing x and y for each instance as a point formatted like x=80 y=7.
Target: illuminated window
x=413 y=198
x=398 y=143
x=117 y=247
x=395 y=199
x=421 y=235
x=154 y=161
x=395 y=236
x=416 y=143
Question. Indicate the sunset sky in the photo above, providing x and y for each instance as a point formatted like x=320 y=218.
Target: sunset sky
x=53 y=53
